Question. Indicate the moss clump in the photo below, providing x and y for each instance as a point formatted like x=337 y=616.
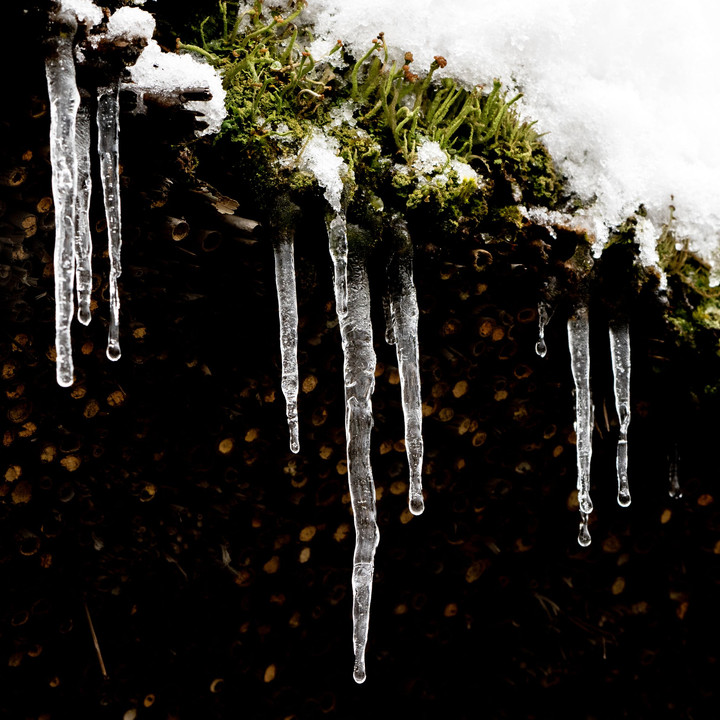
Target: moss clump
x=380 y=112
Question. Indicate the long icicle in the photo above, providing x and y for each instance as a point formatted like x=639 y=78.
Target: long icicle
x=108 y=121
x=620 y=355
x=64 y=103
x=283 y=222
x=359 y=375
x=403 y=316
x=579 y=344
x=83 y=239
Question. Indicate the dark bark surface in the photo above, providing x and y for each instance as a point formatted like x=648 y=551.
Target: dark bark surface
x=158 y=495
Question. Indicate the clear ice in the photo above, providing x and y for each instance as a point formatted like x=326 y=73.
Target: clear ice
x=359 y=375
x=402 y=314
x=64 y=104
x=337 y=235
x=83 y=239
x=579 y=344
x=543 y=319
x=620 y=355
x=284 y=249
x=108 y=115
x=675 y=490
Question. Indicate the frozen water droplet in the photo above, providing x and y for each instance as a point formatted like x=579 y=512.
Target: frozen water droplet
x=417 y=504
x=543 y=319
x=584 y=538
x=113 y=351
x=624 y=494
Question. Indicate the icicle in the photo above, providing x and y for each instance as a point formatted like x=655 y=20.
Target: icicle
x=337 y=234
x=83 y=239
x=359 y=374
x=675 y=490
x=620 y=354
x=404 y=323
x=64 y=103
x=543 y=319
x=284 y=247
x=108 y=139
x=579 y=344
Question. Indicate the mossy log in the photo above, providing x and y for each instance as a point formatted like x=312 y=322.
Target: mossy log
x=162 y=551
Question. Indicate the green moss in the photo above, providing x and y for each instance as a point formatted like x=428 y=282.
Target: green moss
x=277 y=94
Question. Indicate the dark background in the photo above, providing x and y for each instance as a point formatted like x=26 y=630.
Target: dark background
x=159 y=497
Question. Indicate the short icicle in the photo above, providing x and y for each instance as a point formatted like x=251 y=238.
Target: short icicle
x=283 y=223
x=403 y=331
x=83 y=239
x=675 y=491
x=543 y=319
x=579 y=344
x=108 y=121
x=64 y=103
x=620 y=355
x=359 y=375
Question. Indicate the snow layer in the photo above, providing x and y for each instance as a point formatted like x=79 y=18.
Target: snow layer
x=131 y=23
x=160 y=72
x=626 y=91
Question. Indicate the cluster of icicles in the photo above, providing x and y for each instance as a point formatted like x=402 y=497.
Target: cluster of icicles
x=352 y=300
x=579 y=344
x=70 y=157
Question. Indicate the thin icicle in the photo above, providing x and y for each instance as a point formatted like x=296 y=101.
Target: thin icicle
x=404 y=315
x=83 y=239
x=620 y=354
x=543 y=319
x=675 y=490
x=108 y=121
x=579 y=344
x=284 y=248
x=359 y=375
x=64 y=103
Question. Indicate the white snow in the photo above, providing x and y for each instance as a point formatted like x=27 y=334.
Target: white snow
x=84 y=11
x=131 y=23
x=160 y=71
x=320 y=157
x=626 y=91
